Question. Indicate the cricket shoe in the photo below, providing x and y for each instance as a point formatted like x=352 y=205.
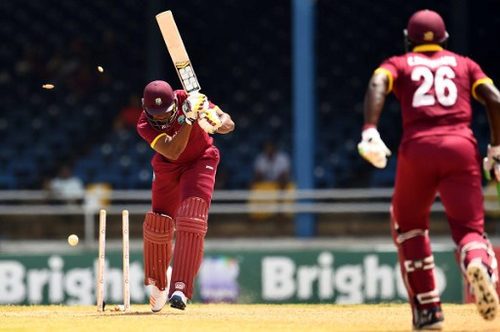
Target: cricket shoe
x=428 y=319
x=483 y=289
x=178 y=300
x=157 y=299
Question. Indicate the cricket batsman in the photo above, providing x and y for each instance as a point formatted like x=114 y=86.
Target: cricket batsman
x=177 y=126
x=437 y=154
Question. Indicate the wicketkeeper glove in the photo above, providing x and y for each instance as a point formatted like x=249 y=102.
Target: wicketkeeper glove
x=209 y=120
x=372 y=148
x=491 y=163
x=194 y=104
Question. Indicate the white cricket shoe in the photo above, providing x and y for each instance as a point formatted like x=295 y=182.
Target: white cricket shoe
x=483 y=288
x=178 y=300
x=157 y=299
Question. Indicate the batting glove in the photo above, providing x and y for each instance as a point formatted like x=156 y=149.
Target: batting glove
x=194 y=104
x=491 y=163
x=372 y=148
x=209 y=120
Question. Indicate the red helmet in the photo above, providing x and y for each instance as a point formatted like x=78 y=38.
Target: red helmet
x=158 y=98
x=426 y=27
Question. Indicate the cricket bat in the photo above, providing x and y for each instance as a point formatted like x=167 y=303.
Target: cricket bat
x=177 y=51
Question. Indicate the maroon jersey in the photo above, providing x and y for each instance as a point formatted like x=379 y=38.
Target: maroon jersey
x=199 y=140
x=434 y=87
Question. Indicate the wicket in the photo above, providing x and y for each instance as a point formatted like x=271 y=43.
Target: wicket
x=102 y=258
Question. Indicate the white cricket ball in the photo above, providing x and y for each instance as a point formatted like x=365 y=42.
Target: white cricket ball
x=73 y=240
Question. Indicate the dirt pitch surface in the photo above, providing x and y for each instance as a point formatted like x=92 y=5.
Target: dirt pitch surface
x=235 y=317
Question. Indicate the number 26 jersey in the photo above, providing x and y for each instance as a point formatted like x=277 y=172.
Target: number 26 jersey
x=434 y=87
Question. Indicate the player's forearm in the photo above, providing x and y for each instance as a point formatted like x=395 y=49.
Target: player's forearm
x=490 y=97
x=494 y=116
x=172 y=147
x=227 y=124
x=375 y=98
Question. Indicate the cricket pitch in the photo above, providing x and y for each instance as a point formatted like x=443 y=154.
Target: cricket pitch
x=236 y=317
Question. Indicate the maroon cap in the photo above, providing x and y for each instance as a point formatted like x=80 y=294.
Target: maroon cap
x=158 y=97
x=426 y=26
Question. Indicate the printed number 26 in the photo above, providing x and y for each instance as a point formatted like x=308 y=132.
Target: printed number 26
x=445 y=90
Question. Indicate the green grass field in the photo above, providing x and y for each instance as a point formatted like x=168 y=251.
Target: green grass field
x=235 y=317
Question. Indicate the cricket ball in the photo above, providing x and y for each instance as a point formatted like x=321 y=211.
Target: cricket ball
x=73 y=240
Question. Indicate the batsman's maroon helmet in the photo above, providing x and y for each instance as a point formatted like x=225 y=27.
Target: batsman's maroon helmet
x=158 y=98
x=426 y=27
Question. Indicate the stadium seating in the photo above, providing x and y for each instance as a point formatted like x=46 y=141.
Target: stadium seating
x=242 y=56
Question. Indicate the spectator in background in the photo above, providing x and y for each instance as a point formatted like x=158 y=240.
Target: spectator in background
x=129 y=114
x=438 y=154
x=66 y=187
x=271 y=174
x=272 y=165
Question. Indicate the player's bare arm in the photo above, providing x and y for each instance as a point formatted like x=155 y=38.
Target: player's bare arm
x=371 y=147
x=227 y=123
x=489 y=96
x=375 y=97
x=171 y=147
